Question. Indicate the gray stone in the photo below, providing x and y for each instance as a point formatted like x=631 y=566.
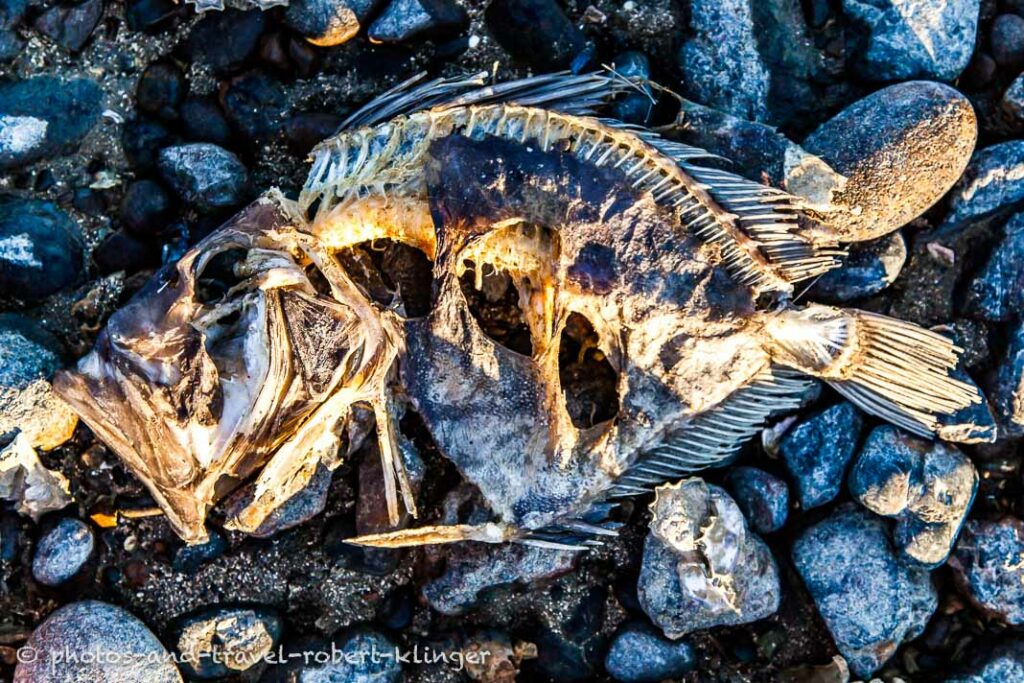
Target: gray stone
x=972 y=424
x=404 y=20
x=306 y=504
x=897 y=40
x=997 y=292
x=328 y=22
x=867 y=269
x=40 y=249
x=927 y=486
x=1007 y=41
x=992 y=183
x=988 y=564
x=1013 y=100
x=901 y=149
x=94 y=642
x=639 y=655
x=701 y=566
x=204 y=175
x=223 y=641
x=817 y=450
x=62 y=552
x=1005 y=663
x=356 y=662
x=870 y=600
x=1007 y=391
x=763 y=497
x=45 y=116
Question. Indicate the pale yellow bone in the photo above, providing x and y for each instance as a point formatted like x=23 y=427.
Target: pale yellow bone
x=434 y=535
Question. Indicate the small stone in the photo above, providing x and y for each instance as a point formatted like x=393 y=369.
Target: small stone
x=973 y=424
x=1008 y=390
x=1004 y=664
x=406 y=19
x=354 y=662
x=161 y=89
x=40 y=249
x=639 y=655
x=817 y=450
x=226 y=40
x=867 y=269
x=26 y=482
x=95 y=641
x=328 y=22
x=570 y=644
x=223 y=641
x=204 y=175
x=70 y=25
x=764 y=498
x=701 y=566
x=147 y=208
x=307 y=129
x=1007 y=41
x=62 y=552
x=1013 y=101
x=870 y=600
x=255 y=105
x=203 y=121
x=988 y=564
x=927 y=486
x=190 y=558
x=980 y=73
x=45 y=116
x=300 y=508
x=993 y=183
x=897 y=40
x=142 y=140
x=901 y=149
x=536 y=32
x=121 y=251
x=997 y=293
x=150 y=15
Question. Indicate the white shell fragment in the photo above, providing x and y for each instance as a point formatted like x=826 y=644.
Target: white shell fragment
x=25 y=481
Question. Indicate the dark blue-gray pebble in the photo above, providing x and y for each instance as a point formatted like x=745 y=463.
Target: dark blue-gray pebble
x=62 y=552
x=763 y=497
x=988 y=564
x=817 y=450
x=50 y=114
x=868 y=268
x=40 y=249
x=639 y=655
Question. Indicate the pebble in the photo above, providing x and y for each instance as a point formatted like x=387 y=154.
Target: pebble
x=867 y=269
x=40 y=249
x=988 y=565
x=927 y=486
x=899 y=40
x=204 y=175
x=203 y=121
x=121 y=251
x=255 y=105
x=570 y=642
x=1003 y=664
x=142 y=140
x=113 y=647
x=993 y=183
x=1007 y=41
x=190 y=558
x=160 y=90
x=222 y=641
x=973 y=424
x=901 y=149
x=536 y=32
x=326 y=23
x=639 y=655
x=633 y=107
x=996 y=294
x=70 y=25
x=354 y=662
x=306 y=129
x=149 y=15
x=817 y=449
x=870 y=600
x=45 y=116
x=62 y=552
x=11 y=44
x=147 y=208
x=701 y=566
x=763 y=498
x=1013 y=101
x=407 y=19
x=300 y=508
x=226 y=40
x=1007 y=391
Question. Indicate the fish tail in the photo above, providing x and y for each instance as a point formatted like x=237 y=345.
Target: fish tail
x=895 y=370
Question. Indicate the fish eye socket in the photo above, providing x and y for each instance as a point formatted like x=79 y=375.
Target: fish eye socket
x=218 y=275
x=392 y=274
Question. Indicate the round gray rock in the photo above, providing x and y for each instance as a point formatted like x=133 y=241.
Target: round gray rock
x=205 y=175
x=62 y=552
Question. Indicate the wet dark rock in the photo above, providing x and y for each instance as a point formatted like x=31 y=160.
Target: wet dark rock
x=992 y=183
x=149 y=15
x=142 y=140
x=147 y=208
x=45 y=116
x=300 y=508
x=254 y=104
x=901 y=149
x=203 y=121
x=40 y=249
x=816 y=451
x=120 y=648
x=161 y=89
x=221 y=641
x=1007 y=41
x=570 y=646
x=328 y=22
x=763 y=498
x=973 y=424
x=70 y=25
x=307 y=129
x=302 y=55
x=979 y=74
x=897 y=40
x=997 y=293
x=204 y=175
x=11 y=45
x=701 y=566
x=12 y=12
x=927 y=486
x=406 y=19
x=639 y=655
x=536 y=32
x=62 y=552
x=10 y=536
x=634 y=107
x=122 y=251
x=1007 y=392
x=190 y=558
x=868 y=268
x=870 y=600
x=226 y=40
x=987 y=566
x=1003 y=664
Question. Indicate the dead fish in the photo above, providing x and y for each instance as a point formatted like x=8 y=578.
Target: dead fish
x=678 y=278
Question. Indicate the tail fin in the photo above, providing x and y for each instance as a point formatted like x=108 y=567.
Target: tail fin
x=889 y=368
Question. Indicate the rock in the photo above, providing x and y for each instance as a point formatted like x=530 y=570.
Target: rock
x=328 y=22
x=300 y=508
x=897 y=40
x=973 y=424
x=28 y=359
x=142 y=140
x=701 y=566
x=988 y=567
x=190 y=558
x=639 y=655
x=993 y=183
x=997 y=292
x=406 y=19
x=123 y=252
x=1005 y=663
x=160 y=90
x=40 y=249
x=371 y=505
x=980 y=73
x=70 y=25
x=203 y=121
x=11 y=45
x=45 y=116
x=536 y=32
x=225 y=40
x=901 y=149
x=111 y=646
x=1013 y=101
x=763 y=498
x=24 y=480
x=354 y=662
x=1007 y=41
x=927 y=486
x=204 y=175
x=817 y=449
x=149 y=15
x=222 y=641
x=1008 y=390
x=307 y=129
x=634 y=107
x=571 y=643
x=868 y=268
x=147 y=208
x=870 y=600
x=255 y=105
x=62 y=552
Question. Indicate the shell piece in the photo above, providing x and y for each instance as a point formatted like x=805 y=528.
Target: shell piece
x=24 y=480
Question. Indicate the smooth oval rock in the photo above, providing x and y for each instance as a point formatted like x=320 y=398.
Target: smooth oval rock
x=62 y=552
x=901 y=149
x=764 y=498
x=870 y=600
x=111 y=645
x=638 y=655
x=817 y=449
x=363 y=656
x=45 y=116
x=988 y=567
x=867 y=269
x=1007 y=40
x=204 y=175
x=40 y=249
x=536 y=32
x=223 y=641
